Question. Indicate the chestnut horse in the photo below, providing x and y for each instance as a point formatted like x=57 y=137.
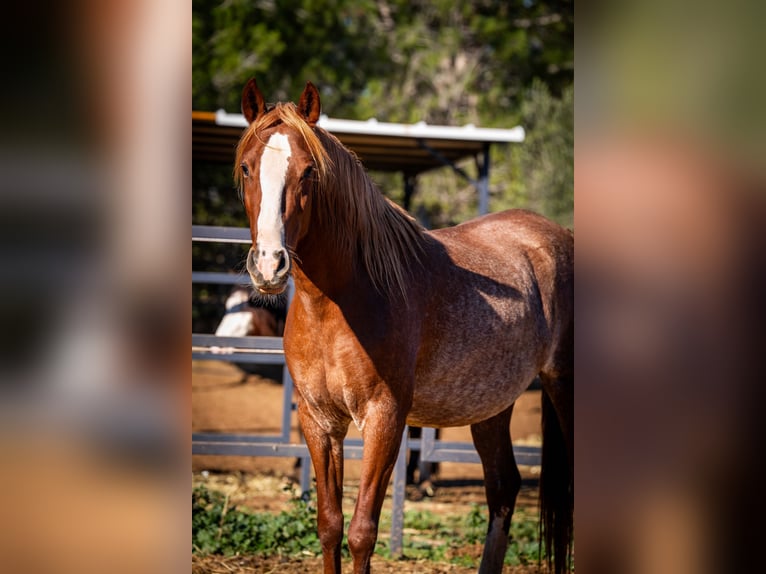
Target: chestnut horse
x=391 y=324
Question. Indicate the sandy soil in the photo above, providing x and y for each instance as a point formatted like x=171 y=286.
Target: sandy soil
x=311 y=565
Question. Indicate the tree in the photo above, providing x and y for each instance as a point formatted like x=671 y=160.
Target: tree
x=487 y=62
x=539 y=174
x=334 y=43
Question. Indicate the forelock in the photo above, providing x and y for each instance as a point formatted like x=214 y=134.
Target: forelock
x=287 y=114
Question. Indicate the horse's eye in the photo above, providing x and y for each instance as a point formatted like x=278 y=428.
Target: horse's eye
x=245 y=170
x=307 y=172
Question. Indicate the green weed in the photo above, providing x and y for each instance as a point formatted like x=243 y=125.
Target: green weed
x=457 y=537
x=218 y=528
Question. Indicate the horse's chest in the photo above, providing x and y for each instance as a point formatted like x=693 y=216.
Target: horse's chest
x=329 y=381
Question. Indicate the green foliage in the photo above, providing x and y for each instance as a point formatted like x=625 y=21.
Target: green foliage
x=536 y=175
x=219 y=529
x=524 y=547
x=334 y=43
x=397 y=60
x=494 y=64
x=454 y=538
x=451 y=537
x=476 y=524
x=539 y=174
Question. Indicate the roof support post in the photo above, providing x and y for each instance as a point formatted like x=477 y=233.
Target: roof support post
x=410 y=184
x=481 y=184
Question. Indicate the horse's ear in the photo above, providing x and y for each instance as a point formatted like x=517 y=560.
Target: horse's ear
x=309 y=106
x=253 y=105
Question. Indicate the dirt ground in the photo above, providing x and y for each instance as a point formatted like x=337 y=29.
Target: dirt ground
x=251 y=564
x=224 y=399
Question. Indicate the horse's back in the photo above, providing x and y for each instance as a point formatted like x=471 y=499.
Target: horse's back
x=500 y=297
x=517 y=248
x=516 y=229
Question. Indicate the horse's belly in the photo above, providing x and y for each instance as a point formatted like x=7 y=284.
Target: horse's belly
x=467 y=396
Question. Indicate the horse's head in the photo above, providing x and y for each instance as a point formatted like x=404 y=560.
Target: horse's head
x=276 y=167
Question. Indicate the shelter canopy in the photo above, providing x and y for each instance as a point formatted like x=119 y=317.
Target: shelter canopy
x=391 y=147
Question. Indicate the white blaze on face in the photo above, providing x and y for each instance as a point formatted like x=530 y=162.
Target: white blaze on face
x=273 y=175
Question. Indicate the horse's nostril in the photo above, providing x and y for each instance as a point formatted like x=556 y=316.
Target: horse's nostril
x=281 y=257
x=252 y=260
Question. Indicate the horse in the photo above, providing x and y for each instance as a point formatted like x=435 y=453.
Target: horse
x=391 y=324
x=244 y=318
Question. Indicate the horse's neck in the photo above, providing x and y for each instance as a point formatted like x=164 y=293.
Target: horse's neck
x=326 y=270
x=339 y=254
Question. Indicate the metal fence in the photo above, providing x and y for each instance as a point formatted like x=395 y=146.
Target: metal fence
x=269 y=350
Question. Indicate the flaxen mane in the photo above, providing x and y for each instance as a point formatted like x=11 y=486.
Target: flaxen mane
x=368 y=224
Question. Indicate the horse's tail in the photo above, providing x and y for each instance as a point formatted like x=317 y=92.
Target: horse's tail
x=556 y=493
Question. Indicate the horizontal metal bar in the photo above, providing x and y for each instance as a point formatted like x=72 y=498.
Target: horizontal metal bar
x=249 y=449
x=220 y=278
x=274 y=445
x=259 y=350
x=232 y=350
x=352 y=449
x=220 y=234
x=528 y=459
x=412 y=444
x=253 y=438
x=351 y=452
x=464 y=452
x=451 y=455
x=259 y=343
x=232 y=438
x=250 y=357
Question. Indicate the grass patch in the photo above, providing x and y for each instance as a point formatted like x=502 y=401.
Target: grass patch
x=220 y=528
x=459 y=538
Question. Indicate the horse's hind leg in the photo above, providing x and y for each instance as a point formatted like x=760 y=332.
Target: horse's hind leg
x=502 y=481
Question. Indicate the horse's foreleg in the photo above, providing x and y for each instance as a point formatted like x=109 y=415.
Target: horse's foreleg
x=382 y=434
x=327 y=457
x=502 y=481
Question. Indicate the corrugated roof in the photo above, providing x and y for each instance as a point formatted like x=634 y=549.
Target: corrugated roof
x=381 y=146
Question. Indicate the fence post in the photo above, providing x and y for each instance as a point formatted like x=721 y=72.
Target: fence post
x=397 y=510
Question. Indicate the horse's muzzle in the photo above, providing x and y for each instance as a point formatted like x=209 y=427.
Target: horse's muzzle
x=269 y=270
